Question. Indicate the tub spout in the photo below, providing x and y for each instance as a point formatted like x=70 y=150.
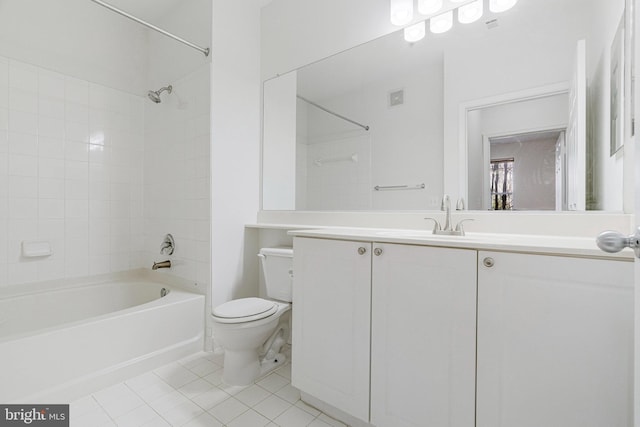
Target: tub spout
x=163 y=264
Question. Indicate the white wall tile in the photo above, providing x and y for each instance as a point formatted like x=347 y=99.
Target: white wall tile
x=72 y=171
x=23 y=187
x=51 y=167
x=50 y=188
x=23 y=100
x=76 y=113
x=20 y=165
x=50 y=107
x=51 y=209
x=50 y=84
x=23 y=209
x=78 y=132
x=4 y=119
x=51 y=148
x=24 y=122
x=50 y=127
x=76 y=91
x=4 y=141
x=23 y=76
x=22 y=143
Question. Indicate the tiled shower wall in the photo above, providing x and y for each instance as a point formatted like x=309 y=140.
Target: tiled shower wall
x=176 y=178
x=71 y=173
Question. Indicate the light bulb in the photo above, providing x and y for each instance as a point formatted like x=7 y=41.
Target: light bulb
x=441 y=23
x=401 y=12
x=497 y=6
x=470 y=12
x=415 y=32
x=429 y=7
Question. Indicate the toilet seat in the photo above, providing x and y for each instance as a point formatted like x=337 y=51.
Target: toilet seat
x=244 y=310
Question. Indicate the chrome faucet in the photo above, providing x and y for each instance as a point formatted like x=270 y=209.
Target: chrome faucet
x=446 y=207
x=448 y=229
x=162 y=264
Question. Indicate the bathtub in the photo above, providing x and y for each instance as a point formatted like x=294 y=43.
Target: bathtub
x=62 y=343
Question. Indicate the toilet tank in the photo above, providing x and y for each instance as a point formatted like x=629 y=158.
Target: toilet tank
x=277 y=264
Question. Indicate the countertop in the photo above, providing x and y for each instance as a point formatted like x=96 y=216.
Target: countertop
x=521 y=243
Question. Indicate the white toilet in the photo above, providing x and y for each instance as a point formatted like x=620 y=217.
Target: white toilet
x=249 y=329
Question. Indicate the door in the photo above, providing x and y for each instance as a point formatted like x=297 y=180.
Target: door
x=423 y=336
x=331 y=322
x=576 y=142
x=555 y=341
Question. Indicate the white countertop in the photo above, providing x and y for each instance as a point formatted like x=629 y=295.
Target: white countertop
x=550 y=245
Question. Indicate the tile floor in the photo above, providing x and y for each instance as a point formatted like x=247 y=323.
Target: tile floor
x=191 y=393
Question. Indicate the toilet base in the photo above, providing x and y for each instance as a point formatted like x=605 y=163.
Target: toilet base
x=240 y=367
x=267 y=366
x=244 y=367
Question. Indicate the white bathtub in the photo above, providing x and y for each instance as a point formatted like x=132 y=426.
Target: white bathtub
x=60 y=344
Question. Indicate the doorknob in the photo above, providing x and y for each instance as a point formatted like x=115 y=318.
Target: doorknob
x=612 y=241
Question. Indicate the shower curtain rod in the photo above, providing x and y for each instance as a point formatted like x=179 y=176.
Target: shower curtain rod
x=151 y=26
x=332 y=113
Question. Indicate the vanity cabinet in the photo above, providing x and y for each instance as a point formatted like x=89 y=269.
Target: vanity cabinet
x=423 y=336
x=331 y=322
x=386 y=327
x=555 y=341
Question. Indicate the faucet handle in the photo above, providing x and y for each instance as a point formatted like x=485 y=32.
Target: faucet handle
x=436 y=224
x=460 y=228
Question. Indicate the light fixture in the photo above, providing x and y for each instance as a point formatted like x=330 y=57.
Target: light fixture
x=470 y=12
x=497 y=6
x=415 y=32
x=441 y=23
x=456 y=1
x=401 y=12
x=429 y=7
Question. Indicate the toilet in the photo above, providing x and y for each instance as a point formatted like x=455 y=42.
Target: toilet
x=250 y=329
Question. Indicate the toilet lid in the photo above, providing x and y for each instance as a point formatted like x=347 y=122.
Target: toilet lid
x=245 y=309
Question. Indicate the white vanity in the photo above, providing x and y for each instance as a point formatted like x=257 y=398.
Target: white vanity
x=399 y=328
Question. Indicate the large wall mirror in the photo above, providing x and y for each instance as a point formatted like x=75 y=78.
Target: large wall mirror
x=513 y=112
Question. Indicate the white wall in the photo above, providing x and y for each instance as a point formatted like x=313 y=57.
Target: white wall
x=235 y=142
x=77 y=38
x=170 y=60
x=296 y=33
x=279 y=143
x=605 y=172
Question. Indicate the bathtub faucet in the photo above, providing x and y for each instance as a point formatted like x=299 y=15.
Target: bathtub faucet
x=163 y=264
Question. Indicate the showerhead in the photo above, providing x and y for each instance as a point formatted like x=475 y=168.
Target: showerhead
x=154 y=95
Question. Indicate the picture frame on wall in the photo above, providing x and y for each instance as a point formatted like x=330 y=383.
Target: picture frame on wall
x=617 y=89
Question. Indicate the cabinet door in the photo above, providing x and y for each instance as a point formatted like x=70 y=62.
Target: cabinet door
x=555 y=343
x=423 y=336
x=331 y=322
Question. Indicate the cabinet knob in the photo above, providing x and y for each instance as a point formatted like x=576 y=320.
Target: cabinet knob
x=377 y=251
x=488 y=262
x=362 y=250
